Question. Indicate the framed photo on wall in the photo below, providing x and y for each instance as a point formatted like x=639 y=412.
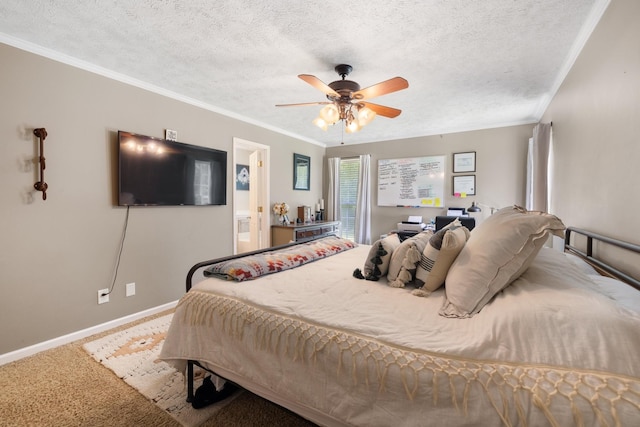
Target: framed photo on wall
x=301 y=172
x=464 y=185
x=242 y=177
x=464 y=162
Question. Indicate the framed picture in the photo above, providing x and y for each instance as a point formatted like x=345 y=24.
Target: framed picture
x=171 y=135
x=464 y=185
x=301 y=171
x=464 y=162
x=242 y=177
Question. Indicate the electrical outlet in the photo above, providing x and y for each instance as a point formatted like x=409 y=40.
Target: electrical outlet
x=130 y=289
x=102 y=299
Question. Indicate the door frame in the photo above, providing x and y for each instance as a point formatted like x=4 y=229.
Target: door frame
x=265 y=223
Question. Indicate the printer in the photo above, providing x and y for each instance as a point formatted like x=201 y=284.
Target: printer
x=412 y=224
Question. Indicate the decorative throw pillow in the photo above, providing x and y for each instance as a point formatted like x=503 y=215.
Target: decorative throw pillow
x=380 y=256
x=438 y=255
x=251 y=266
x=499 y=250
x=405 y=258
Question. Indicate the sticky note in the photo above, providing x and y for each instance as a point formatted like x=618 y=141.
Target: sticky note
x=463 y=195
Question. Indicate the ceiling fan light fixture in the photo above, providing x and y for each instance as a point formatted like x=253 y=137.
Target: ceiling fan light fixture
x=353 y=126
x=365 y=115
x=318 y=121
x=330 y=114
x=346 y=100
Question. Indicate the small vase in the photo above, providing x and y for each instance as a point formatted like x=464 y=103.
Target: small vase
x=284 y=220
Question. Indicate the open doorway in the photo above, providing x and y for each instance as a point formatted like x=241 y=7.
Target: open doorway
x=251 y=228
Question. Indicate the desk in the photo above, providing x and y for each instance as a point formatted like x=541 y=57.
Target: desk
x=283 y=234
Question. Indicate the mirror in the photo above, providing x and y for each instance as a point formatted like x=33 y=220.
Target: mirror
x=301 y=171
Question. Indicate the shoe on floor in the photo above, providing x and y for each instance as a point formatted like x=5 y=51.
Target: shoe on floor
x=207 y=394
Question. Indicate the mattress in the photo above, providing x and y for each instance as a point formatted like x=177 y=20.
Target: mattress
x=552 y=348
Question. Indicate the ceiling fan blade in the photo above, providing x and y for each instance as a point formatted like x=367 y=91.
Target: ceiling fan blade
x=388 y=86
x=303 y=104
x=383 y=110
x=319 y=84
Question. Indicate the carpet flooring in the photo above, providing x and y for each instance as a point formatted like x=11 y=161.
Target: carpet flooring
x=65 y=386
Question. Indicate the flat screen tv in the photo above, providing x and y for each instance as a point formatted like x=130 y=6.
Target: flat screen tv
x=159 y=172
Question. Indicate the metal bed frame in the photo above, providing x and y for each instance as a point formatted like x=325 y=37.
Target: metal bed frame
x=189 y=284
x=588 y=253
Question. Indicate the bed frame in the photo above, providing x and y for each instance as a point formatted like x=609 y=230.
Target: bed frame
x=584 y=250
x=587 y=253
x=189 y=284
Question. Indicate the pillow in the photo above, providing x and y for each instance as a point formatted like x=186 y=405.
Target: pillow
x=405 y=259
x=252 y=266
x=389 y=244
x=438 y=255
x=498 y=251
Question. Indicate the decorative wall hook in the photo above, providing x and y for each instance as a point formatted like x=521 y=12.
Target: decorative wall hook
x=41 y=133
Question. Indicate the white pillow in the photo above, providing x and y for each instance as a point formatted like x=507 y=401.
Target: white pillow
x=499 y=250
x=438 y=255
x=406 y=257
x=389 y=244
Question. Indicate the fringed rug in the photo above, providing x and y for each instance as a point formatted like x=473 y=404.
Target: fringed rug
x=132 y=355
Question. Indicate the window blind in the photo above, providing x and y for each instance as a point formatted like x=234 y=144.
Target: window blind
x=349 y=172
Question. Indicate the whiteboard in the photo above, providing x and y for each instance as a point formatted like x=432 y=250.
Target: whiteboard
x=411 y=182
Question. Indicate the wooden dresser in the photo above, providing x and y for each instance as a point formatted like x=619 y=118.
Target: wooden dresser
x=283 y=234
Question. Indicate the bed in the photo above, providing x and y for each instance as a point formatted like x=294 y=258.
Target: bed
x=556 y=345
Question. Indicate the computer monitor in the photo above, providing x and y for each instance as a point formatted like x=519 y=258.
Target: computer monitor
x=442 y=221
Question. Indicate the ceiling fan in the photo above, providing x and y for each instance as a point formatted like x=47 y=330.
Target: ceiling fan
x=347 y=102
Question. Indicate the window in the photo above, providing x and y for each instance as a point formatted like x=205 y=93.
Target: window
x=349 y=173
x=202 y=183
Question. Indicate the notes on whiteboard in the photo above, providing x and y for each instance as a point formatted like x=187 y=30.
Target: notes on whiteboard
x=411 y=182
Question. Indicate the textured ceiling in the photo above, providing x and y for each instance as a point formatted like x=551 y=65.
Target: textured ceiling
x=470 y=64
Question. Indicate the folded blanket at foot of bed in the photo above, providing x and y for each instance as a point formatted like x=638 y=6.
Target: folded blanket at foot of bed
x=252 y=266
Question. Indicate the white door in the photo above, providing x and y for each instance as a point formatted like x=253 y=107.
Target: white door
x=255 y=198
x=258 y=200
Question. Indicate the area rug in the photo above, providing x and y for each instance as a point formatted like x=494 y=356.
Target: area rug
x=132 y=354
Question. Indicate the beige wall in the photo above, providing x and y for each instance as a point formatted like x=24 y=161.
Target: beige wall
x=596 y=131
x=56 y=254
x=501 y=156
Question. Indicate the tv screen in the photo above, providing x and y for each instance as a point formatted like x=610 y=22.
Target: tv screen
x=159 y=172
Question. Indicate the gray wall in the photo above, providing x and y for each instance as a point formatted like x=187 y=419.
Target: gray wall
x=56 y=254
x=500 y=170
x=596 y=131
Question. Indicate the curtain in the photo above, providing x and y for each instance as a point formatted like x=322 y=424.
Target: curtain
x=538 y=168
x=333 y=195
x=529 y=188
x=363 y=209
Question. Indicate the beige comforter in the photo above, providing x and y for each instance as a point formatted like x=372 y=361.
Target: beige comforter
x=552 y=349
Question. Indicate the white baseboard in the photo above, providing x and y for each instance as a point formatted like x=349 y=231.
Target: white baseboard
x=74 y=336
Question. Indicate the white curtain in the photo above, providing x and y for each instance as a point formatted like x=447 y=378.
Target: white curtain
x=333 y=195
x=363 y=209
x=529 y=189
x=537 y=195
